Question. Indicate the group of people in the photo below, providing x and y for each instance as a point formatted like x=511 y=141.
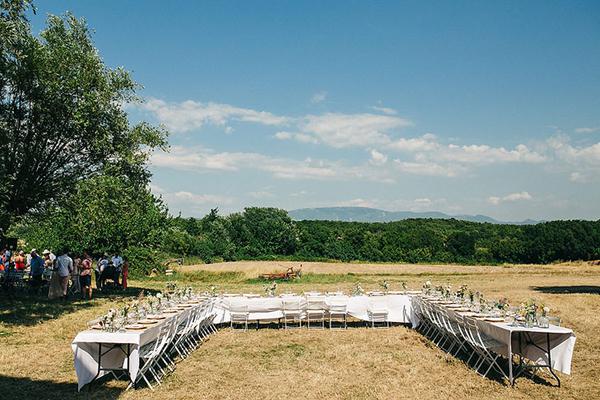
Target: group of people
x=59 y=271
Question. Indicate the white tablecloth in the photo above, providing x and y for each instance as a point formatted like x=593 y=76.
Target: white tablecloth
x=86 y=344
x=271 y=308
x=562 y=342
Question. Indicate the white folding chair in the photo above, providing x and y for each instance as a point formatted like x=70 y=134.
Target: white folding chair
x=337 y=311
x=315 y=310
x=377 y=313
x=149 y=356
x=292 y=312
x=239 y=314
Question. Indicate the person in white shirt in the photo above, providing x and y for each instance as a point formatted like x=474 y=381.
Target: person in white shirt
x=64 y=268
x=117 y=261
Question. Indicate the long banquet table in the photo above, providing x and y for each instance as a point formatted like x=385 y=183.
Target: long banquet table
x=550 y=347
x=97 y=352
x=271 y=308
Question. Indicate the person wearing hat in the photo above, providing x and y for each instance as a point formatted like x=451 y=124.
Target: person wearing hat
x=49 y=255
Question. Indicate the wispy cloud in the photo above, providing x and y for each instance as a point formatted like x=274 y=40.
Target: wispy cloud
x=318 y=97
x=512 y=197
x=352 y=130
x=587 y=129
x=190 y=115
x=385 y=110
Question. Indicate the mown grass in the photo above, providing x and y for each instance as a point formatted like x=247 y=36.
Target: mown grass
x=397 y=363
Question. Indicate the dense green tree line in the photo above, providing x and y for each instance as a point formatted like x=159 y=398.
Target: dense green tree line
x=264 y=233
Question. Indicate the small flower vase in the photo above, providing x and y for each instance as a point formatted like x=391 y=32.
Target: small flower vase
x=543 y=321
x=530 y=320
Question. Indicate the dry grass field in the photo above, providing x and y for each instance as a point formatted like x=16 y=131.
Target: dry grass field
x=396 y=363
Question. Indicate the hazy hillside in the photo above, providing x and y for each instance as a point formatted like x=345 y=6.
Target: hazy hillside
x=365 y=214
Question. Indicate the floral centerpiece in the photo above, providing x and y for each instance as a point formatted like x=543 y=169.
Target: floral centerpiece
x=358 y=290
x=270 y=289
x=462 y=292
x=171 y=286
x=427 y=287
x=530 y=310
x=502 y=304
x=385 y=285
x=108 y=321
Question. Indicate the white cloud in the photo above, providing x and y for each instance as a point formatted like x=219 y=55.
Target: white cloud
x=196 y=198
x=495 y=200
x=300 y=137
x=189 y=115
x=578 y=177
x=347 y=130
x=318 y=97
x=304 y=138
x=424 y=143
x=427 y=168
x=587 y=129
x=377 y=158
x=202 y=160
x=283 y=135
x=357 y=203
x=583 y=155
x=385 y=110
x=261 y=194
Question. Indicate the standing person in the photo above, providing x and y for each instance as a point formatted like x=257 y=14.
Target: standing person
x=64 y=268
x=102 y=266
x=54 y=287
x=37 y=270
x=75 y=274
x=5 y=260
x=117 y=262
x=7 y=257
x=85 y=276
x=125 y=272
x=20 y=261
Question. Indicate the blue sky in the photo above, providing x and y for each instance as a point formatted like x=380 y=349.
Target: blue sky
x=462 y=107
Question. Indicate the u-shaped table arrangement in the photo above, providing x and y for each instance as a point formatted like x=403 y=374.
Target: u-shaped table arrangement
x=147 y=352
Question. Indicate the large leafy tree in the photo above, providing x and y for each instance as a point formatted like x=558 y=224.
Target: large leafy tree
x=103 y=214
x=61 y=115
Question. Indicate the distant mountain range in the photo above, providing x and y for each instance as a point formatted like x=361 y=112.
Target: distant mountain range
x=365 y=214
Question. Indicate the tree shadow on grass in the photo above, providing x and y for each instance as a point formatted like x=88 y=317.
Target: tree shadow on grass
x=17 y=388
x=25 y=308
x=568 y=289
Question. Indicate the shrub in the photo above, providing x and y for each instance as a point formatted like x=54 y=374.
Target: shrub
x=142 y=261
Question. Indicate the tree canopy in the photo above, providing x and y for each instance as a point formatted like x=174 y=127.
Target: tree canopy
x=62 y=117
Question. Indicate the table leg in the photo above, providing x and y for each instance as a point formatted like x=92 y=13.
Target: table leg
x=550 y=359
x=510 y=361
x=99 y=367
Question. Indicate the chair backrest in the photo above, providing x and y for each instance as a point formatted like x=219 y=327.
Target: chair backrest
x=292 y=304
x=315 y=303
x=474 y=333
x=338 y=308
x=238 y=307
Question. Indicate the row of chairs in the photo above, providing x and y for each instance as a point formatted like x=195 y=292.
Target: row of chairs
x=176 y=341
x=314 y=310
x=459 y=336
